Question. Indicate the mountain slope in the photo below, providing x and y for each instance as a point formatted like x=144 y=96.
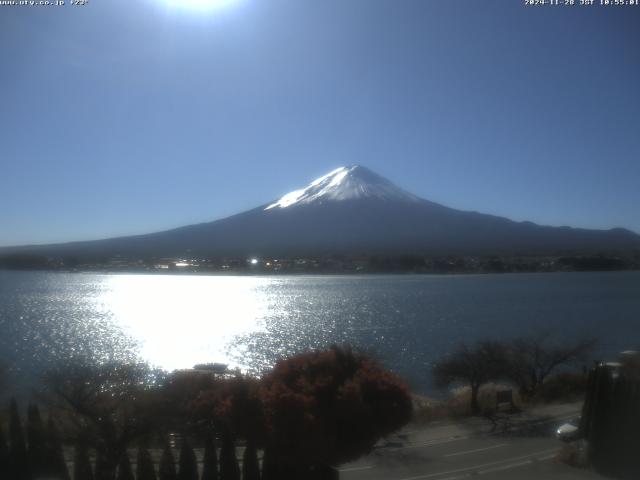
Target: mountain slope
x=352 y=210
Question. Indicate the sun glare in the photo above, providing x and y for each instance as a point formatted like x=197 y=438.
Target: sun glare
x=198 y=4
x=183 y=320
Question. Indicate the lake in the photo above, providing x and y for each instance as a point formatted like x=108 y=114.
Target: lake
x=407 y=321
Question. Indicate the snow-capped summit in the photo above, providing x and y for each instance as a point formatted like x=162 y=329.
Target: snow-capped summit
x=345 y=183
x=349 y=211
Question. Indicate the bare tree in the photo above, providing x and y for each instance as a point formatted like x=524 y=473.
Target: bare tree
x=473 y=366
x=111 y=405
x=532 y=359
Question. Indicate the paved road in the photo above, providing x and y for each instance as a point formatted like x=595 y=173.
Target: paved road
x=521 y=447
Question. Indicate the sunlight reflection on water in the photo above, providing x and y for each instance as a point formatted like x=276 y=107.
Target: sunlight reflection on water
x=407 y=321
x=180 y=321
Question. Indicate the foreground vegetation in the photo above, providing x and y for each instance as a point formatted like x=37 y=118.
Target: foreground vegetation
x=311 y=412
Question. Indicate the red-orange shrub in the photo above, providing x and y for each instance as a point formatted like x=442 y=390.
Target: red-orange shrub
x=233 y=405
x=330 y=407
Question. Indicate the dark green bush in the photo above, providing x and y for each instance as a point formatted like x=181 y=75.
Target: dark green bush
x=124 y=468
x=81 y=464
x=250 y=466
x=4 y=455
x=145 y=469
x=210 y=461
x=167 y=465
x=54 y=455
x=229 y=469
x=18 y=455
x=188 y=464
x=36 y=438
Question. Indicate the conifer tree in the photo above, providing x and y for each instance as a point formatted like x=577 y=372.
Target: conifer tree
x=210 y=461
x=250 y=466
x=269 y=466
x=81 y=464
x=229 y=469
x=144 y=469
x=188 y=463
x=102 y=470
x=18 y=457
x=36 y=439
x=124 y=468
x=54 y=453
x=167 y=465
x=4 y=455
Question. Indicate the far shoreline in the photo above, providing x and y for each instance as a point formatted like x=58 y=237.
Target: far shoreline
x=302 y=273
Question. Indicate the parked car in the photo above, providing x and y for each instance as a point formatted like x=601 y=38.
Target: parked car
x=570 y=431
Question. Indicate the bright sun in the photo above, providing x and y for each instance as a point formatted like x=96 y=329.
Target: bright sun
x=198 y=4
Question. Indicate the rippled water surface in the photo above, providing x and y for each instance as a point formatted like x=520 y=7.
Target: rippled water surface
x=176 y=321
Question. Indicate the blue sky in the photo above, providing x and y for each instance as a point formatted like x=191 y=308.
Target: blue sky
x=126 y=117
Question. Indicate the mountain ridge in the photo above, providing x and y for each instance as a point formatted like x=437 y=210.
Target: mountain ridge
x=351 y=210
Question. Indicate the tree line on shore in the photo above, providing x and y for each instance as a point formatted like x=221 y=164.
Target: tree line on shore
x=525 y=362
x=401 y=263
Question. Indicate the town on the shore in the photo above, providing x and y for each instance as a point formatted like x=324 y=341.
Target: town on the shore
x=330 y=264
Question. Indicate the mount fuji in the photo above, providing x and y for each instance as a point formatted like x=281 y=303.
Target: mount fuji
x=352 y=210
x=345 y=183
